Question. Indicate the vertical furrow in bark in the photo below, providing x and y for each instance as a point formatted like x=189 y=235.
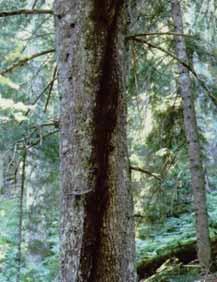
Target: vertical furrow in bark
x=105 y=119
x=102 y=234
x=194 y=150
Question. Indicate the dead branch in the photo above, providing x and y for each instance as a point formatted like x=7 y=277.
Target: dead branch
x=26 y=12
x=25 y=60
x=187 y=66
x=50 y=88
x=132 y=36
x=146 y=172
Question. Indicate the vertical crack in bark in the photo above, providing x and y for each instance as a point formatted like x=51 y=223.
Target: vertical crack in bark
x=105 y=118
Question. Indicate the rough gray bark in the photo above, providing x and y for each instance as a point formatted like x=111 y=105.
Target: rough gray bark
x=194 y=150
x=97 y=237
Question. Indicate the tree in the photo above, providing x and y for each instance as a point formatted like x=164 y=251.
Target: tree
x=194 y=150
x=97 y=238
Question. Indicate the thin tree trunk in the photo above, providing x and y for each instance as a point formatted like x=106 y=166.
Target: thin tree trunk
x=1 y=172
x=20 y=227
x=97 y=237
x=194 y=150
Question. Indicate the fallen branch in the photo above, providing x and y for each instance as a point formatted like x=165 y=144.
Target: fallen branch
x=185 y=253
x=26 y=12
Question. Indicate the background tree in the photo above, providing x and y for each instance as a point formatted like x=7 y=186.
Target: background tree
x=194 y=151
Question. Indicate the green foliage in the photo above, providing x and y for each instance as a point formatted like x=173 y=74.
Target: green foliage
x=46 y=270
x=159 y=239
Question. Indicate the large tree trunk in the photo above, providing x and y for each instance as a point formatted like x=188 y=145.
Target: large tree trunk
x=194 y=150
x=97 y=237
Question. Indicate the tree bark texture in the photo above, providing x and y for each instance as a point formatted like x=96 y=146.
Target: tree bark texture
x=194 y=150
x=97 y=237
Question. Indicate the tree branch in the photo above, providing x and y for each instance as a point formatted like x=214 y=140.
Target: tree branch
x=53 y=123
x=188 y=67
x=146 y=172
x=50 y=88
x=132 y=36
x=26 y=12
x=32 y=144
x=34 y=4
x=25 y=60
x=153 y=46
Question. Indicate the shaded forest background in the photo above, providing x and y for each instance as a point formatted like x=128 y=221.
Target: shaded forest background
x=29 y=142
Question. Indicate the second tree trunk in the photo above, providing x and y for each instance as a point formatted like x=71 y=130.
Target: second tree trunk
x=194 y=150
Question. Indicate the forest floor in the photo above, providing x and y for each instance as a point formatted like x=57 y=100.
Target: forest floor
x=167 y=252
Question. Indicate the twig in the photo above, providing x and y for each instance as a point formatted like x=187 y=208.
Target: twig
x=25 y=60
x=42 y=138
x=36 y=99
x=188 y=67
x=54 y=123
x=34 y=4
x=50 y=89
x=146 y=172
x=26 y=12
x=153 y=46
x=132 y=36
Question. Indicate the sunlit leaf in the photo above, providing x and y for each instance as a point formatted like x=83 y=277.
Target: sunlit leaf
x=19 y=117
x=6 y=81
x=9 y=104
